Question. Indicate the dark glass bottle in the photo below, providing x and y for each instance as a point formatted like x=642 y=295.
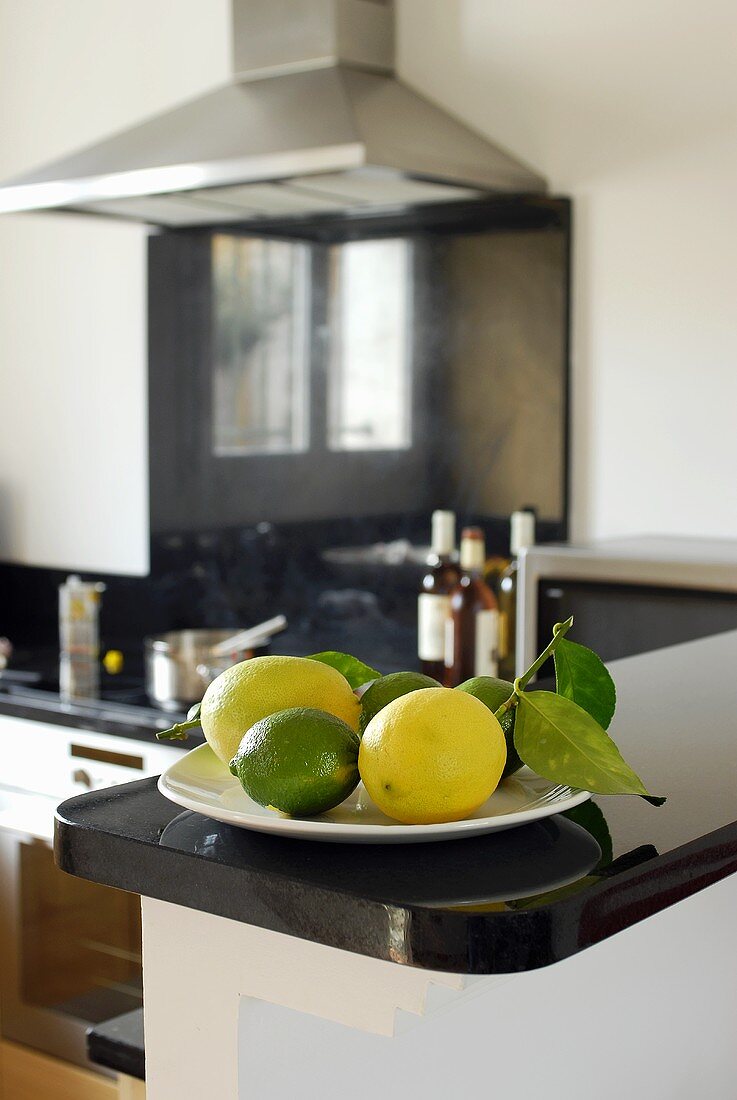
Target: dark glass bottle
x=433 y=604
x=473 y=632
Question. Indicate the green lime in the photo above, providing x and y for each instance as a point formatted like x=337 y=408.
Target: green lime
x=388 y=688
x=301 y=761
x=493 y=692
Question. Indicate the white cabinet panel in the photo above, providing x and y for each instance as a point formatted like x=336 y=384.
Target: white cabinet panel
x=73 y=445
x=73 y=449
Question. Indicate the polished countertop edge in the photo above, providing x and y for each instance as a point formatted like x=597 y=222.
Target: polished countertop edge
x=449 y=939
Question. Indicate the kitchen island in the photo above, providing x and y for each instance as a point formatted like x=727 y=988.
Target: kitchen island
x=593 y=946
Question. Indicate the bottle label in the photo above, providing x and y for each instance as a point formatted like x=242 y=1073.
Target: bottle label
x=432 y=614
x=486 y=653
x=450 y=640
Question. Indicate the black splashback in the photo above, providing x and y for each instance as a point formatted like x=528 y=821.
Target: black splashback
x=341 y=584
x=321 y=528
x=452 y=393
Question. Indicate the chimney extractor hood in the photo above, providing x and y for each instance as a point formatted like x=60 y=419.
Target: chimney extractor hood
x=314 y=120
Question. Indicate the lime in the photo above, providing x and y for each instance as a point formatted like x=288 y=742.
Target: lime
x=388 y=688
x=301 y=761
x=435 y=754
x=252 y=690
x=493 y=692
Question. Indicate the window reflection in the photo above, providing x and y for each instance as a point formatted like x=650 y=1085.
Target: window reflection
x=260 y=342
x=369 y=397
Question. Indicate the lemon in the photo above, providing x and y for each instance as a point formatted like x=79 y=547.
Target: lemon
x=433 y=755
x=493 y=692
x=251 y=690
x=301 y=761
x=390 y=687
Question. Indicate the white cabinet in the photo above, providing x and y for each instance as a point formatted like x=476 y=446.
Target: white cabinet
x=73 y=448
x=73 y=387
x=56 y=762
x=648 y=1012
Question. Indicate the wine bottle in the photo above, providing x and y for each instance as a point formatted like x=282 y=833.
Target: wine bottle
x=522 y=533
x=433 y=605
x=472 y=636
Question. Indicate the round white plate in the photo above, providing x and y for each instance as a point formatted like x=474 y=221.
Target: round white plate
x=200 y=782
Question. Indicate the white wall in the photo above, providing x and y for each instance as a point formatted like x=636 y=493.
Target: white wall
x=73 y=442
x=632 y=109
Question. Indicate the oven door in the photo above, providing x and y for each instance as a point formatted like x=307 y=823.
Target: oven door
x=70 y=950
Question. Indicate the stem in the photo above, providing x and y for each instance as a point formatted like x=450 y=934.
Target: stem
x=559 y=631
x=178 y=731
x=508 y=704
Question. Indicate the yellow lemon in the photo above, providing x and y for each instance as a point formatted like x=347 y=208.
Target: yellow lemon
x=252 y=690
x=433 y=755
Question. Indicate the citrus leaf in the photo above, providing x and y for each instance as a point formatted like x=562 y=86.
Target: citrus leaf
x=582 y=677
x=355 y=671
x=562 y=742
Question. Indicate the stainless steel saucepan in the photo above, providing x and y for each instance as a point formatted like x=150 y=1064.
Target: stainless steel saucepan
x=180 y=665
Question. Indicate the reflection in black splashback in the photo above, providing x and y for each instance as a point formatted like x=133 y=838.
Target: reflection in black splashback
x=361 y=368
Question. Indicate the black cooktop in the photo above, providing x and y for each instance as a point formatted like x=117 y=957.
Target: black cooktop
x=29 y=688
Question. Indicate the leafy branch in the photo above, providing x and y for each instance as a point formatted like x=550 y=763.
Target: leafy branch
x=562 y=735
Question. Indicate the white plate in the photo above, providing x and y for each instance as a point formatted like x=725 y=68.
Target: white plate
x=200 y=782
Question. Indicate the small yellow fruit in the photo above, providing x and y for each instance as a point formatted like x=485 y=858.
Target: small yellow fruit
x=252 y=690
x=433 y=755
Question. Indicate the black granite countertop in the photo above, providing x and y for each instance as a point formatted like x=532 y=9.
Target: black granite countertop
x=136 y=720
x=501 y=903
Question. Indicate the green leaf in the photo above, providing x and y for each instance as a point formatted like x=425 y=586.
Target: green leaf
x=356 y=672
x=193 y=714
x=562 y=742
x=582 y=677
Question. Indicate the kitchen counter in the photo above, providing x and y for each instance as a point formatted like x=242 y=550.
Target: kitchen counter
x=118 y=1044
x=256 y=945
x=495 y=904
x=119 y=718
x=647 y=559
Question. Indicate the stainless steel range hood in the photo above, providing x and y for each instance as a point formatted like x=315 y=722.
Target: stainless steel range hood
x=313 y=121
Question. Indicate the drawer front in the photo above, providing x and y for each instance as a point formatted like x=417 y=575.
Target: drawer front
x=59 y=761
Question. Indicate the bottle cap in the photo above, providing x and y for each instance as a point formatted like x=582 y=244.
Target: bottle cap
x=443 y=532
x=522 y=531
x=473 y=548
